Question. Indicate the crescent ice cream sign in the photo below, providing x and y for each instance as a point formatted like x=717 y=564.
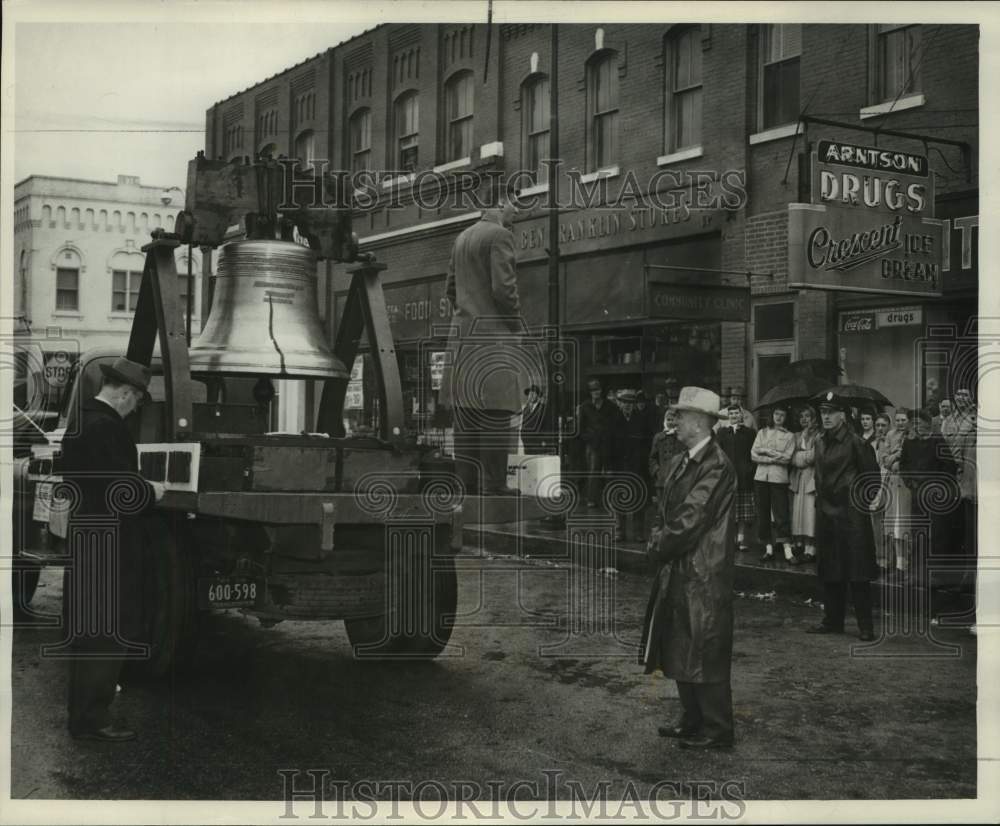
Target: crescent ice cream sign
x=870 y=226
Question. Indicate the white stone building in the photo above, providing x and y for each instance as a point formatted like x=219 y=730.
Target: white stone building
x=78 y=257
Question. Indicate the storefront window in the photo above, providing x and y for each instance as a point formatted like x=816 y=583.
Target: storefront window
x=644 y=357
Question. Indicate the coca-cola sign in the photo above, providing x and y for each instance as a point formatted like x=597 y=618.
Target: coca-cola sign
x=857 y=322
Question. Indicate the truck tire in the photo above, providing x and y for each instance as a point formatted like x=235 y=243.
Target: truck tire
x=170 y=615
x=421 y=605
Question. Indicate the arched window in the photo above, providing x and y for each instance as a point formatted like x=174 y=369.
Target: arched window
x=535 y=125
x=682 y=107
x=406 y=120
x=68 y=265
x=305 y=148
x=21 y=293
x=458 y=96
x=602 y=106
x=361 y=140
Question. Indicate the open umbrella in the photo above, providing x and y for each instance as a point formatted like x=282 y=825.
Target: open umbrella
x=800 y=389
x=856 y=395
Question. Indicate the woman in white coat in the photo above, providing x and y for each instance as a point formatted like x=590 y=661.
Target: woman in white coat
x=896 y=496
x=802 y=483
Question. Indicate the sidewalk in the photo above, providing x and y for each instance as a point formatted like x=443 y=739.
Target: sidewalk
x=536 y=538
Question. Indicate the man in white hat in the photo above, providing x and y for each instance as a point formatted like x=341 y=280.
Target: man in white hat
x=100 y=460
x=688 y=632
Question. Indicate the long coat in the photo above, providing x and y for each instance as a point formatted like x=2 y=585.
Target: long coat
x=844 y=542
x=688 y=631
x=487 y=367
x=102 y=462
x=737 y=447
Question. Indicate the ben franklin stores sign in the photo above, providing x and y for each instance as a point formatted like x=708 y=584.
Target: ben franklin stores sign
x=870 y=226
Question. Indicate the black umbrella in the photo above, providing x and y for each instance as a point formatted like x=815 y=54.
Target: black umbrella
x=856 y=395
x=791 y=392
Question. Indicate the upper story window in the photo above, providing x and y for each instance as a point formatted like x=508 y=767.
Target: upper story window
x=897 y=59
x=536 y=112
x=459 y=115
x=305 y=148
x=602 y=105
x=124 y=290
x=361 y=140
x=68 y=266
x=406 y=119
x=781 y=47
x=683 y=85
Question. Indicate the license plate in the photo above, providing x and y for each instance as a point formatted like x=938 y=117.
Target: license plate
x=229 y=592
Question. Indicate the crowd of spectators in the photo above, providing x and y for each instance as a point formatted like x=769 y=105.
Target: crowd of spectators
x=926 y=501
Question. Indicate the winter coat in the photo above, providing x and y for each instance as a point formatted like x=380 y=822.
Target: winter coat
x=629 y=451
x=773 y=467
x=737 y=447
x=665 y=446
x=535 y=429
x=487 y=366
x=844 y=541
x=101 y=461
x=688 y=630
x=803 y=474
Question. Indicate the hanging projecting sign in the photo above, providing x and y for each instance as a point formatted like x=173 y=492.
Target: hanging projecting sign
x=842 y=248
x=870 y=178
x=870 y=227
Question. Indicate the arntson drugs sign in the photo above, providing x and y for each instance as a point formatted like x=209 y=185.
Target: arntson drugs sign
x=870 y=226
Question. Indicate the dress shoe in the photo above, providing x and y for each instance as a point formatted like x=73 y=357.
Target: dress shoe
x=108 y=734
x=682 y=732
x=824 y=629
x=705 y=743
x=867 y=636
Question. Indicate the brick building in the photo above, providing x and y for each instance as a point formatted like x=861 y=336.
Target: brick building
x=714 y=119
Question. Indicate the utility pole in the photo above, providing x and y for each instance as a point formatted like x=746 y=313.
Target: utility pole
x=554 y=391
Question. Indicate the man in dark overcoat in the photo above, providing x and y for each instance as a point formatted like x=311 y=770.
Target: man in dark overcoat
x=535 y=434
x=629 y=453
x=486 y=368
x=845 y=545
x=688 y=632
x=596 y=419
x=103 y=582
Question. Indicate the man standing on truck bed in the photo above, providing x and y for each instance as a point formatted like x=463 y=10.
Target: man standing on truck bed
x=485 y=370
x=102 y=582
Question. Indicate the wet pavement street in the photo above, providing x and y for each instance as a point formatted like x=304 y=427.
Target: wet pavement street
x=532 y=683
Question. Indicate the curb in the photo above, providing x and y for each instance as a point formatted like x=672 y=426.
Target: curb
x=530 y=539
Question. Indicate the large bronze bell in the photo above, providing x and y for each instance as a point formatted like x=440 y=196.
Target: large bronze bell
x=264 y=319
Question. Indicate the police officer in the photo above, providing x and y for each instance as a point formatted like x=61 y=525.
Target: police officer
x=844 y=542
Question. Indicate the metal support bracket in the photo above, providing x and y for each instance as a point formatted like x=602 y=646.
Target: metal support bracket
x=365 y=310
x=158 y=312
